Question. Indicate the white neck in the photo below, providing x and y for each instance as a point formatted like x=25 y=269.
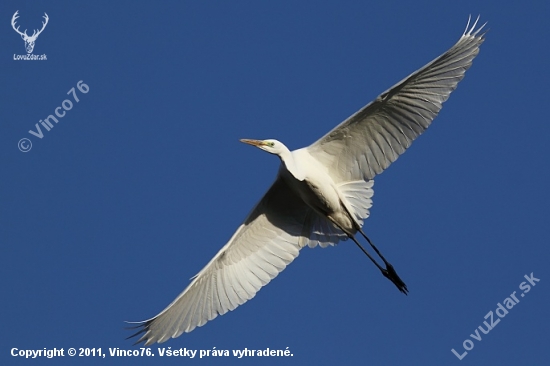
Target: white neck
x=287 y=158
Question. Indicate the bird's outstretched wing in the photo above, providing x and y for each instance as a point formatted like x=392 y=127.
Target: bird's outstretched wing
x=262 y=247
x=371 y=139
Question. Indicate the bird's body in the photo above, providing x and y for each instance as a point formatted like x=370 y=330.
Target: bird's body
x=322 y=195
x=311 y=181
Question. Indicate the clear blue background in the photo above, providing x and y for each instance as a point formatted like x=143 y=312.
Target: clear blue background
x=141 y=183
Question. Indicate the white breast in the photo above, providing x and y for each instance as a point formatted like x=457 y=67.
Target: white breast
x=311 y=181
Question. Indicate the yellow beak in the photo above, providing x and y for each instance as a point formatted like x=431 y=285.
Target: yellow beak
x=256 y=143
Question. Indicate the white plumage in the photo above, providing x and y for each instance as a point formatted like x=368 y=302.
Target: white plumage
x=321 y=195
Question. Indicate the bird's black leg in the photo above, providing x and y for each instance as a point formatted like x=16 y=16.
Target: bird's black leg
x=367 y=253
x=389 y=271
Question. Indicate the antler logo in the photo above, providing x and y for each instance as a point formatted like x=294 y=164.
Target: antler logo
x=29 y=41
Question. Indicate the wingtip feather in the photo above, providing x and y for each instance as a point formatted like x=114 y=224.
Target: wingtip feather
x=472 y=31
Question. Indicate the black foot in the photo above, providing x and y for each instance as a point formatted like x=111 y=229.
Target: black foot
x=391 y=275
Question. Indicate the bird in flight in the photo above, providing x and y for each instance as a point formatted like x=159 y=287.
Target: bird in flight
x=322 y=194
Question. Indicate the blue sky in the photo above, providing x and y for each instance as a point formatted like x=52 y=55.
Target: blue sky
x=109 y=214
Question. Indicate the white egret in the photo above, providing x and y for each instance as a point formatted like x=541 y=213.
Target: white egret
x=321 y=195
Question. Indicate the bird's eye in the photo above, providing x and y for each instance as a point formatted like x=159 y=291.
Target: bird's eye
x=271 y=144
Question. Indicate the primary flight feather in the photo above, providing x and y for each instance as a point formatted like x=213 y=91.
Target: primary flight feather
x=321 y=195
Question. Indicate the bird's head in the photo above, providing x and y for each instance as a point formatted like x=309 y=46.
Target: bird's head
x=271 y=146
